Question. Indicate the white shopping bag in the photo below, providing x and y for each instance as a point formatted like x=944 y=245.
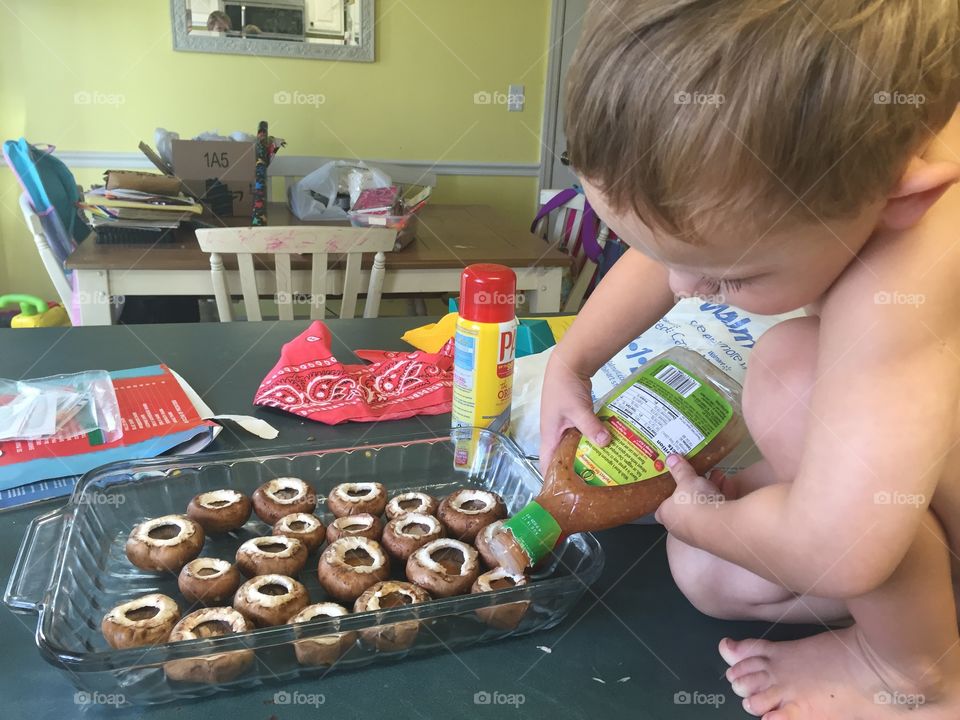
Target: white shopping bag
x=314 y=197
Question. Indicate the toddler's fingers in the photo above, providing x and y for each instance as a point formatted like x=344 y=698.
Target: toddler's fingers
x=590 y=426
x=681 y=470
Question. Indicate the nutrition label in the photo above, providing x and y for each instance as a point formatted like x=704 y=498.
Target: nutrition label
x=658 y=420
x=665 y=409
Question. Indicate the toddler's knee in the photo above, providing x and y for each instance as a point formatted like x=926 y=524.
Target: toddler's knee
x=698 y=578
x=782 y=368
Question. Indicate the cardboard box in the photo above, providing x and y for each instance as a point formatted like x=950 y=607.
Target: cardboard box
x=220 y=173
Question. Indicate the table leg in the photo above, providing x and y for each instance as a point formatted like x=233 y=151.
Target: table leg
x=93 y=294
x=545 y=298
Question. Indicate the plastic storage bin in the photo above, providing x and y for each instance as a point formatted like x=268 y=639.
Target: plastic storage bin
x=72 y=588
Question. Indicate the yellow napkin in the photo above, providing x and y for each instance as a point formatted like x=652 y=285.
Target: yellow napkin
x=431 y=338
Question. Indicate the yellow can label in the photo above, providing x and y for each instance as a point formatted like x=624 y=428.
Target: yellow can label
x=483 y=374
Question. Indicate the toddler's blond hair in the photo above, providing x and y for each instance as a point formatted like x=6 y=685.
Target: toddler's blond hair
x=703 y=114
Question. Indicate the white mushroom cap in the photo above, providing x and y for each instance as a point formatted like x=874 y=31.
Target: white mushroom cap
x=311 y=521
x=408 y=519
x=274 y=486
x=490 y=530
x=250 y=591
x=194 y=567
x=217 y=499
x=253 y=546
x=185 y=630
x=324 y=609
x=141 y=533
x=357 y=492
x=394 y=506
x=166 y=607
x=462 y=497
x=363 y=521
x=485 y=580
x=388 y=588
x=467 y=567
x=334 y=554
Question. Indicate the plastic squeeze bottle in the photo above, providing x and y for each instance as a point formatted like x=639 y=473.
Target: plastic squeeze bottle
x=485 y=344
x=678 y=403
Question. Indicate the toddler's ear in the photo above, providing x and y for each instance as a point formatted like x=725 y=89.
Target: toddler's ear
x=922 y=184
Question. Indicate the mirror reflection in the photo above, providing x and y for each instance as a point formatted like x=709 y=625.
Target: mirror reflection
x=324 y=22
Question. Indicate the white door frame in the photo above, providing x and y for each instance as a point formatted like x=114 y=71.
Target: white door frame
x=548 y=137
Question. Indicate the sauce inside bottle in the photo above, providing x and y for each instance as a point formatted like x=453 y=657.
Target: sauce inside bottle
x=677 y=403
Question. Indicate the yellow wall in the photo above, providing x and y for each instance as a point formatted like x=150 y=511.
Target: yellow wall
x=416 y=102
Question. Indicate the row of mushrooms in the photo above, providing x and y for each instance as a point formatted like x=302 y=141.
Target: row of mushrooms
x=443 y=548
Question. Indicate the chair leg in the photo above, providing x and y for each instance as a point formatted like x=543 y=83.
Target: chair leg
x=375 y=289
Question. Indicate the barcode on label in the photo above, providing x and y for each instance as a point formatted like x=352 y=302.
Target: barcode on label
x=678 y=380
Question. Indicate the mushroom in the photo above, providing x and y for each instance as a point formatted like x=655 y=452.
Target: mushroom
x=418 y=502
x=220 y=511
x=268 y=600
x=164 y=543
x=350 y=565
x=502 y=617
x=357 y=498
x=209 y=581
x=464 y=512
x=305 y=527
x=383 y=596
x=272 y=554
x=482 y=543
x=444 y=567
x=323 y=649
x=146 y=620
x=283 y=496
x=409 y=531
x=363 y=525
x=210 y=669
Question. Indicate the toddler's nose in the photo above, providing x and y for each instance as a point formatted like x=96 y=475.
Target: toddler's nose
x=683 y=285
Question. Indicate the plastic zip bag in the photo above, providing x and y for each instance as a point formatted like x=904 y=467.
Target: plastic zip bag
x=59 y=407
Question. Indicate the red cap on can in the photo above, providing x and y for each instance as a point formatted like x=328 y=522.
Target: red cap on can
x=488 y=293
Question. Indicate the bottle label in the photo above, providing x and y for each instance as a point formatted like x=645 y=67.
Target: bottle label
x=535 y=530
x=483 y=374
x=667 y=409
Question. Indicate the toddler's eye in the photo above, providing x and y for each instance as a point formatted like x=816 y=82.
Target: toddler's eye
x=713 y=286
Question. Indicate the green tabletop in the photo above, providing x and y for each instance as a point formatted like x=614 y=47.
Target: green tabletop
x=634 y=646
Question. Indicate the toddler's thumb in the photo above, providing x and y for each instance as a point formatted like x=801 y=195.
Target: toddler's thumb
x=591 y=427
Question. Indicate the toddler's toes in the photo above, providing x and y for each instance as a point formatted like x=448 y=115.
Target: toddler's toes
x=746 y=667
x=788 y=712
x=764 y=701
x=751 y=684
x=733 y=651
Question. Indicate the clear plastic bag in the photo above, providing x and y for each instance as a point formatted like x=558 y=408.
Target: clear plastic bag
x=60 y=407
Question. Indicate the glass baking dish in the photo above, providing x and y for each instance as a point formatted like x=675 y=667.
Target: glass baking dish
x=71 y=568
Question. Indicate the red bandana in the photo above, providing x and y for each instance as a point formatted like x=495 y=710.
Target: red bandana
x=310 y=382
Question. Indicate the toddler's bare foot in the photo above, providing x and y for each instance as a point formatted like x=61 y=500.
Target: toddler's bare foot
x=835 y=676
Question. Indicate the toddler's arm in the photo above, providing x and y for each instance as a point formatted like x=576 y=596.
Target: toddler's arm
x=633 y=296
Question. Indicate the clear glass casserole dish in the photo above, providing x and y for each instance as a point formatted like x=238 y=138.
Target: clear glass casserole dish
x=72 y=568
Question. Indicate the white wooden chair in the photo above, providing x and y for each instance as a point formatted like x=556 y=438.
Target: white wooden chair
x=554 y=229
x=319 y=242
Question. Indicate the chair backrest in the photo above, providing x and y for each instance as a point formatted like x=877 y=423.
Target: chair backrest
x=53 y=265
x=319 y=242
x=562 y=230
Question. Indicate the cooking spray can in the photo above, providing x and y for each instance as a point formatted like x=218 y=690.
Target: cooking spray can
x=486 y=341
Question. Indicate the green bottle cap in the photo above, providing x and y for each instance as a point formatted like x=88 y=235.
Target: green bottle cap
x=535 y=530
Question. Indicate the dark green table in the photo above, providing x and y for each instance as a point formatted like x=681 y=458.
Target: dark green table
x=633 y=629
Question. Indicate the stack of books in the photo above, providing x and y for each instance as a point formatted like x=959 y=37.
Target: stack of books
x=121 y=216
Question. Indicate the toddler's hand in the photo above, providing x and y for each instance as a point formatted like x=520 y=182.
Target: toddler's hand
x=565 y=402
x=694 y=494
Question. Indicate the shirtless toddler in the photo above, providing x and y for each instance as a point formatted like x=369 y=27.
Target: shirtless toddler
x=792 y=154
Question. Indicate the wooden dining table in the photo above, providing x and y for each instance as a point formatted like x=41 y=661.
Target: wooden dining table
x=447 y=238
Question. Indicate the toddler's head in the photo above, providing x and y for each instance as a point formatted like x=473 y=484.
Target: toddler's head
x=754 y=146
